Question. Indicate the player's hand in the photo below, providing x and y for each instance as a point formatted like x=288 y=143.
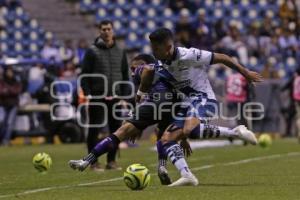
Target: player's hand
x=253 y=76
x=185 y=145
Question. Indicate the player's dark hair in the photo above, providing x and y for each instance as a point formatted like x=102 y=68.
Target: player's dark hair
x=147 y=58
x=160 y=35
x=105 y=22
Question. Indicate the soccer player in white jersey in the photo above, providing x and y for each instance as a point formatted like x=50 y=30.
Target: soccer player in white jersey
x=186 y=70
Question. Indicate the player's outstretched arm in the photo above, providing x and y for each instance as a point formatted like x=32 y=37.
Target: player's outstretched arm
x=146 y=82
x=251 y=76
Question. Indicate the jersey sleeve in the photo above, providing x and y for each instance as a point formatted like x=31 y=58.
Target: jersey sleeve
x=199 y=57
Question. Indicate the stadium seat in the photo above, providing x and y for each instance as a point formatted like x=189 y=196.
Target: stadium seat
x=282 y=73
x=134 y=13
x=48 y=35
x=151 y=13
x=252 y=14
x=104 y=3
x=18 y=24
x=146 y=49
x=3 y=11
x=262 y=3
x=168 y=13
x=33 y=36
x=133 y=25
x=18 y=47
x=227 y=3
x=18 y=35
x=101 y=13
x=291 y=63
x=209 y=3
x=33 y=24
x=235 y=13
x=3 y=35
x=118 y=13
x=33 y=47
x=253 y=62
x=4 y=47
x=168 y=24
x=218 y=13
x=121 y=2
x=19 y=12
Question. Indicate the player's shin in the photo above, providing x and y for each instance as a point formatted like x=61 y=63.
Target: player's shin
x=204 y=131
x=162 y=156
x=108 y=144
x=176 y=155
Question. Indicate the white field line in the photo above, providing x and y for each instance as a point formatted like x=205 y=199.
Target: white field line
x=120 y=178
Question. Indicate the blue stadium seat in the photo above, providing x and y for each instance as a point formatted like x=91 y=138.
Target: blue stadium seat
x=18 y=36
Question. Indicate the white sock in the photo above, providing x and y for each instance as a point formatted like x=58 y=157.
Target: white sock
x=212 y=131
x=175 y=153
x=182 y=166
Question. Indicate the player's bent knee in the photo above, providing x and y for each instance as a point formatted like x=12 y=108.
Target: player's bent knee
x=127 y=130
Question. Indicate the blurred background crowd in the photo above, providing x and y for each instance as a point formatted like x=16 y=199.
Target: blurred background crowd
x=262 y=34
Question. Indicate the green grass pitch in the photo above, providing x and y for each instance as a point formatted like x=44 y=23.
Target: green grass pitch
x=234 y=172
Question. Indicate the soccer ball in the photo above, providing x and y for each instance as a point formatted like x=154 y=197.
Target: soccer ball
x=265 y=140
x=42 y=162
x=137 y=177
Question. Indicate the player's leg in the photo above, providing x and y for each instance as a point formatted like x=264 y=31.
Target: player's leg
x=194 y=129
x=126 y=131
x=162 y=171
x=113 y=125
x=132 y=128
x=297 y=104
x=176 y=155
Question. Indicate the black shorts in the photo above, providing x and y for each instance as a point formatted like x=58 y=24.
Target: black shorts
x=150 y=113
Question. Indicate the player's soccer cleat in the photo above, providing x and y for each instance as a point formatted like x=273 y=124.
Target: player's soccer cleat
x=245 y=134
x=79 y=164
x=187 y=180
x=163 y=176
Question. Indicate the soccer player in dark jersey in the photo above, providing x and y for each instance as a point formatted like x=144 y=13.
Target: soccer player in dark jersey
x=147 y=113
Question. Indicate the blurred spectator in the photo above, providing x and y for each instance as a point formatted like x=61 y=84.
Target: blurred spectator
x=66 y=52
x=220 y=29
x=178 y=5
x=289 y=111
x=252 y=40
x=287 y=10
x=296 y=98
x=269 y=72
x=10 y=89
x=266 y=28
x=288 y=42
x=81 y=49
x=184 y=29
x=69 y=71
x=36 y=78
x=233 y=45
x=202 y=38
x=10 y=4
x=50 y=52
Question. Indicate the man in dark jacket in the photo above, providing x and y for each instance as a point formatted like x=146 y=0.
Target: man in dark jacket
x=10 y=88
x=104 y=58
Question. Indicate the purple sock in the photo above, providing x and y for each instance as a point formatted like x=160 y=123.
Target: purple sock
x=160 y=150
x=162 y=156
x=108 y=144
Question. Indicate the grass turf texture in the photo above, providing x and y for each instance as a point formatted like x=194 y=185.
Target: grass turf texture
x=274 y=178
